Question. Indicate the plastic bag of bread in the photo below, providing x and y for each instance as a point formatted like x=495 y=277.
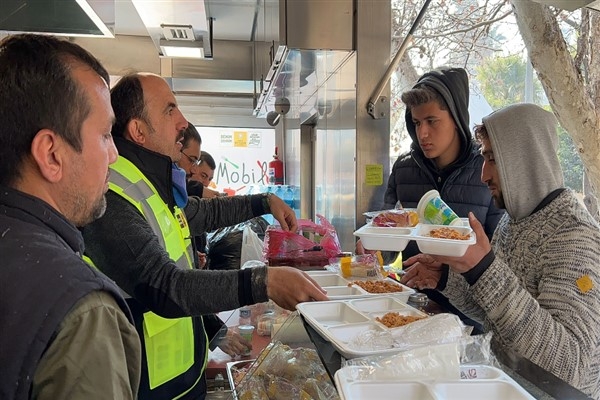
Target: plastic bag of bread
x=396 y=218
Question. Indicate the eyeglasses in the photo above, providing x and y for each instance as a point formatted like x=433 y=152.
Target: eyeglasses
x=194 y=160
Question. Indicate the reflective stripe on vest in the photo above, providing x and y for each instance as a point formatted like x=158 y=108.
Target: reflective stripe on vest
x=169 y=342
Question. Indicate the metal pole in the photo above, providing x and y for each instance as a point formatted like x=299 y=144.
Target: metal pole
x=395 y=61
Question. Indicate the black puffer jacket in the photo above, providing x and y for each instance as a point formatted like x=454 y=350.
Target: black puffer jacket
x=462 y=190
x=459 y=183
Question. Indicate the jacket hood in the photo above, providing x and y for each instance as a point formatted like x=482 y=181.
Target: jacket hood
x=453 y=85
x=525 y=144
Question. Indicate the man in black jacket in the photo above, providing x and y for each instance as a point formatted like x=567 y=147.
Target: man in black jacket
x=143 y=242
x=442 y=156
x=66 y=331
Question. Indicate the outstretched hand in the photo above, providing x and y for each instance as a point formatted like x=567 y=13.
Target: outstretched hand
x=234 y=344
x=422 y=272
x=289 y=286
x=360 y=249
x=283 y=214
x=474 y=253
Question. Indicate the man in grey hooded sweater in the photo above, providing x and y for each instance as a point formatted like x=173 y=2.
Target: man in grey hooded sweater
x=535 y=285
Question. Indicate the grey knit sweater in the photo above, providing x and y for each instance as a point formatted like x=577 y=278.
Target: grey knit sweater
x=540 y=296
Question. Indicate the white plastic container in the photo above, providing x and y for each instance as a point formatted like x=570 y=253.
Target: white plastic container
x=491 y=384
x=433 y=210
x=338 y=287
x=443 y=247
x=384 y=238
x=341 y=321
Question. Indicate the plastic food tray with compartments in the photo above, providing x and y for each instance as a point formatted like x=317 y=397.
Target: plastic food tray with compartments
x=477 y=382
x=340 y=288
x=342 y=321
x=396 y=239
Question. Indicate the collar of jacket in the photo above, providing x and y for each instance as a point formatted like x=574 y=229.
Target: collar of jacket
x=155 y=166
x=427 y=164
x=33 y=210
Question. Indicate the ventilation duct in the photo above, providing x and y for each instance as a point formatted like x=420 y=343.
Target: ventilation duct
x=316 y=37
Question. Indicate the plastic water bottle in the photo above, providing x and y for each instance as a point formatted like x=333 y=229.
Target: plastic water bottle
x=288 y=197
x=269 y=217
x=279 y=192
x=296 y=191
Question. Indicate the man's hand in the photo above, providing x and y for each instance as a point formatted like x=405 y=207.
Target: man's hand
x=208 y=193
x=283 y=214
x=234 y=344
x=360 y=249
x=289 y=286
x=422 y=272
x=474 y=253
x=201 y=260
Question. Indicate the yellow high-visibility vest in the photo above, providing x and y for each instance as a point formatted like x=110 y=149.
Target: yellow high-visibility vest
x=169 y=342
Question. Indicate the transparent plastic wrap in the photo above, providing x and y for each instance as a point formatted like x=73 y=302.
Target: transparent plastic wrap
x=437 y=329
x=450 y=371
x=440 y=358
x=282 y=372
x=313 y=245
x=394 y=218
x=365 y=266
x=477 y=350
x=440 y=361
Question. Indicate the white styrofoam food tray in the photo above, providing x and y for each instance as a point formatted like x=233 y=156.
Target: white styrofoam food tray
x=341 y=321
x=338 y=289
x=396 y=239
x=384 y=238
x=477 y=382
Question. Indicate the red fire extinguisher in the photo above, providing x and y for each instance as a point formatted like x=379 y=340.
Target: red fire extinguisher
x=276 y=170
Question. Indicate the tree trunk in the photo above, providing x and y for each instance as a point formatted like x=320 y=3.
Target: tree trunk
x=562 y=82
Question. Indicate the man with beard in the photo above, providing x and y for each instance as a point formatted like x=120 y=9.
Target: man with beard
x=66 y=331
x=535 y=285
x=144 y=243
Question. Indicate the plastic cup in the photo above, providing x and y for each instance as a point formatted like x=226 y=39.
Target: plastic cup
x=433 y=210
x=246 y=332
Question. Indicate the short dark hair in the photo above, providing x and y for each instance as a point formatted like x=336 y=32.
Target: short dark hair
x=38 y=91
x=481 y=132
x=421 y=95
x=208 y=159
x=127 y=99
x=190 y=133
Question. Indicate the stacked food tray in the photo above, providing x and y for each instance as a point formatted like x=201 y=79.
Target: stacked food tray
x=477 y=382
x=395 y=239
x=341 y=321
x=339 y=288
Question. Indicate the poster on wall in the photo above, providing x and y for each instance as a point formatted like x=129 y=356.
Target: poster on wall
x=241 y=157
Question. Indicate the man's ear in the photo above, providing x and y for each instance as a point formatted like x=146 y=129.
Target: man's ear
x=47 y=150
x=136 y=131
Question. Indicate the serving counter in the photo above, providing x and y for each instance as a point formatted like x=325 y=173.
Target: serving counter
x=535 y=380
